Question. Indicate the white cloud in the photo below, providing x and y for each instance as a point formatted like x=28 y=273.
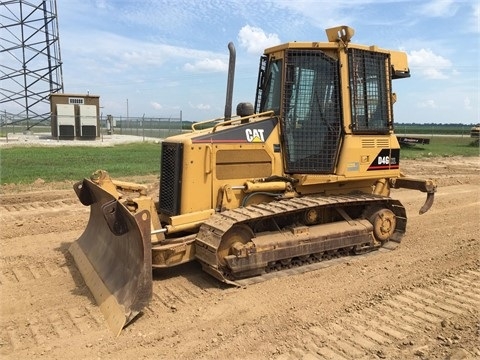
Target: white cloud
x=431 y=66
x=333 y=13
x=102 y=4
x=255 y=40
x=111 y=52
x=428 y=104
x=467 y=103
x=200 y=106
x=475 y=20
x=155 y=105
x=440 y=8
x=206 y=65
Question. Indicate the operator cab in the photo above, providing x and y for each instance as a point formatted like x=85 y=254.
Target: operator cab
x=308 y=84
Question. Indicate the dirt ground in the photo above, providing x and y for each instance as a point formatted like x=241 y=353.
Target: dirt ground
x=419 y=301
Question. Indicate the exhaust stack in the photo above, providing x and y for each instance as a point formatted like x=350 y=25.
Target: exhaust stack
x=231 y=76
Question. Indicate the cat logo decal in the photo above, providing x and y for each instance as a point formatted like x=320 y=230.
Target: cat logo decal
x=254 y=135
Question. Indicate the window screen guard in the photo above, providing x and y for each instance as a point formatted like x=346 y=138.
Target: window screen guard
x=311 y=111
x=370 y=84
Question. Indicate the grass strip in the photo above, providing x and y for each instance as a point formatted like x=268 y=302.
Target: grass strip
x=24 y=165
x=441 y=146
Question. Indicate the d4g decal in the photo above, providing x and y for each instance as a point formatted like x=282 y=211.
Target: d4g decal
x=257 y=132
x=386 y=160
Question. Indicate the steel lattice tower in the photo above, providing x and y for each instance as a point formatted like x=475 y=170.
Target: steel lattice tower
x=30 y=62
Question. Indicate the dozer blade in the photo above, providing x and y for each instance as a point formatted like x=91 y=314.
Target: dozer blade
x=114 y=255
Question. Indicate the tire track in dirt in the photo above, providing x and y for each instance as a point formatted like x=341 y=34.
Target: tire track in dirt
x=26 y=208
x=190 y=285
x=393 y=323
x=26 y=329
x=184 y=286
x=21 y=273
x=38 y=205
x=48 y=327
x=40 y=303
x=26 y=217
x=12 y=212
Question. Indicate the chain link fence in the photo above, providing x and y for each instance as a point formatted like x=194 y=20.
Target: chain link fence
x=151 y=127
x=147 y=127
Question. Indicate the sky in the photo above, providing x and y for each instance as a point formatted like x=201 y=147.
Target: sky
x=160 y=58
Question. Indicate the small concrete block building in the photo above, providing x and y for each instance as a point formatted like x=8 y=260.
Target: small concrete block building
x=75 y=116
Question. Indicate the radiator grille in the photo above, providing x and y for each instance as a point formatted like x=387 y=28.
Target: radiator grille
x=372 y=143
x=383 y=143
x=170 y=178
x=368 y=143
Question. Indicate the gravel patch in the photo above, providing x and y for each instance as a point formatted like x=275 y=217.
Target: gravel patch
x=47 y=140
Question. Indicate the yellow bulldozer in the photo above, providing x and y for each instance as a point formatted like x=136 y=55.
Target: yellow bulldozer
x=302 y=175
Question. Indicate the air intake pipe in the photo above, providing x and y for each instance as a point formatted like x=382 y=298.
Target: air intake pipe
x=231 y=76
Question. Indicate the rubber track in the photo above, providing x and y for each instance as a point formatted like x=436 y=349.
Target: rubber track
x=212 y=230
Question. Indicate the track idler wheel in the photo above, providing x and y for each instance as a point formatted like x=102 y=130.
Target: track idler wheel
x=233 y=242
x=384 y=223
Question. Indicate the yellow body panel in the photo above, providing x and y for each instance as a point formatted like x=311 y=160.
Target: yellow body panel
x=212 y=169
